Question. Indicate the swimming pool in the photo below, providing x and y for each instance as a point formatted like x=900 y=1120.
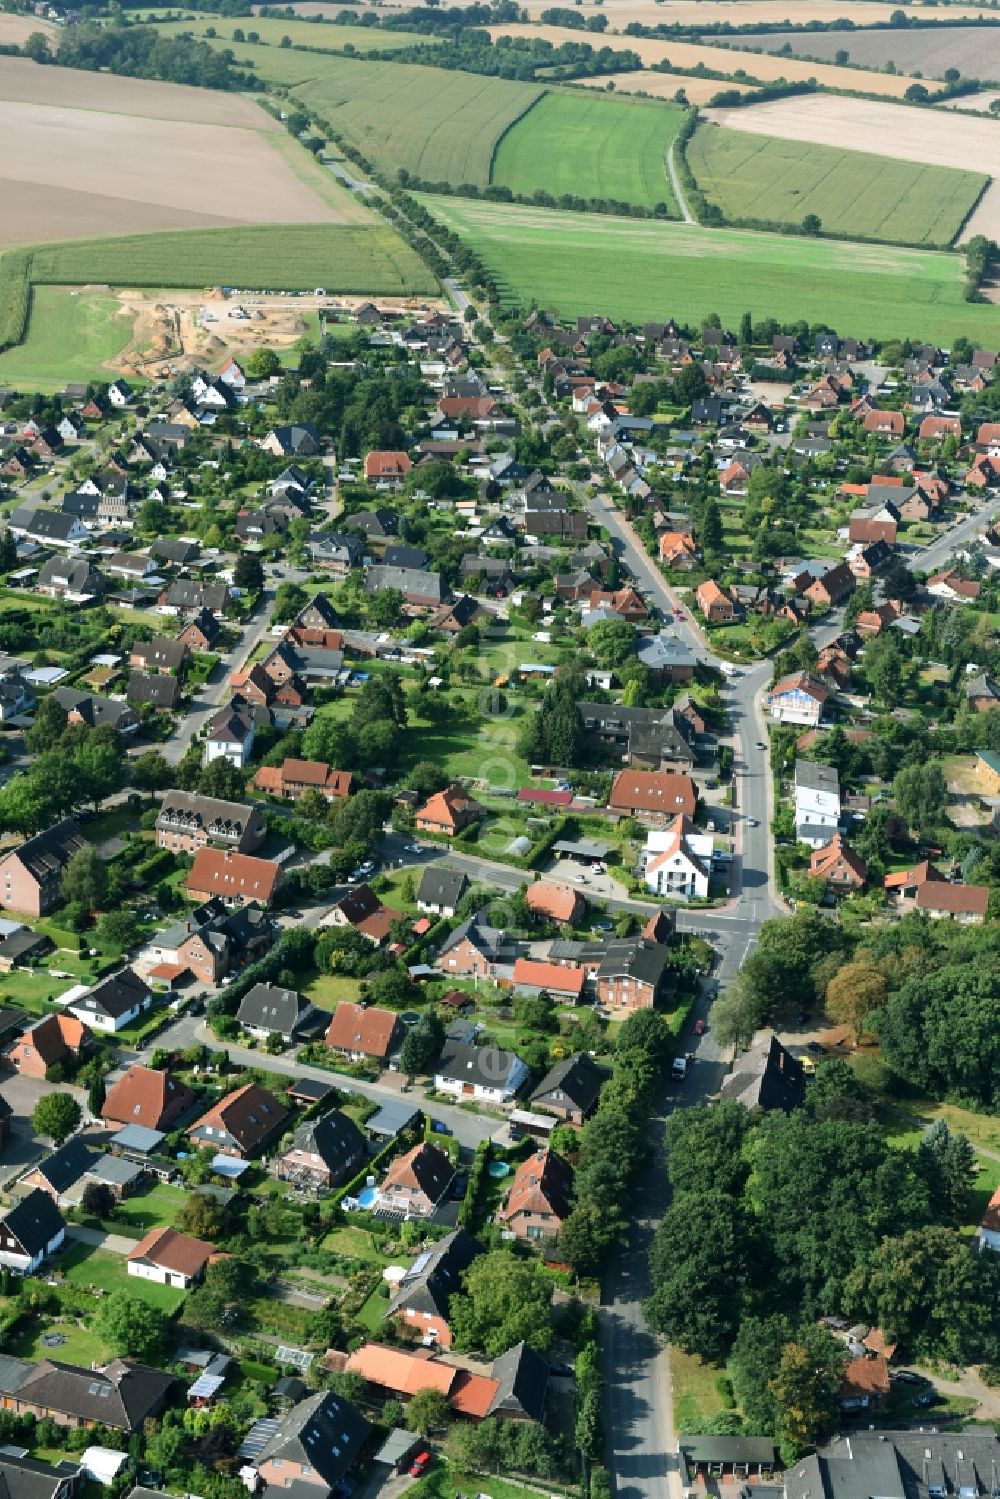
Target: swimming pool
x=366 y=1197
x=498 y=1169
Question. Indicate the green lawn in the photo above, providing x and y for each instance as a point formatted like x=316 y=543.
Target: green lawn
x=852 y=192
x=328 y=989
x=161 y=1204
x=99 y=1268
x=570 y=262
x=32 y=989
x=357 y=1243
x=69 y=338
x=693 y=1385
x=440 y=126
x=446 y=1482
x=372 y=1312
x=591 y=146
x=81 y=1347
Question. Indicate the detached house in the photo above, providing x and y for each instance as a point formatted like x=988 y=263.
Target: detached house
x=240 y=1124
x=115 y=1002
x=324 y=1152
x=482 y=1072
x=441 y=889
x=570 y=1089
x=387 y=470
x=653 y=795
x=293 y=778
x=715 y=604
x=423 y=1299
x=448 y=812
x=230 y=735
x=678 y=861
x=148 y=1097
x=30 y=1232
x=187 y=822
x=540 y=1198
x=361 y=1034
x=120 y=1394
x=169 y=1258
x=267 y=1010
x=314 y=1447
x=842 y=869
x=416 y=1182
x=633 y=974
x=49 y=1041
x=798 y=698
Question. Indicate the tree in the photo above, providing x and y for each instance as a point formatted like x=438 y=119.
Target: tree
x=805 y=1387
x=884 y=668
x=126 y=1324
x=289 y=600
x=921 y=794
x=85 y=879
x=812 y=224
x=588 y=1234
x=421 y=1046
x=8 y=551
x=248 y=574
x=27 y=804
x=705 y=1144
x=385 y=608
x=151 y=772
x=588 y=1432
x=951 y=1169
x=152 y=517
x=119 y=929
x=102 y=771
x=221 y=778
x=203 y=1217
x=98 y=1200
x=37 y=48
x=56 y=1116
x=205 y=1308
x=925 y=1288
x=504 y=1300
x=427 y=1412
x=96 y=1096
x=939 y=1030
x=263 y=363
x=612 y=641
x=48 y=727
x=231 y=1278
x=698 y=1269
x=856 y=993
x=710 y=529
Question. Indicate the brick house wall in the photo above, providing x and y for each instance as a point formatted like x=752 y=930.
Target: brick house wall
x=466 y=959
x=20 y=891
x=281 y=1472
x=426 y=1324
x=625 y=993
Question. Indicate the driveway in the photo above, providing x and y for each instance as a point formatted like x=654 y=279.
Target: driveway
x=24 y=1146
x=98 y=1238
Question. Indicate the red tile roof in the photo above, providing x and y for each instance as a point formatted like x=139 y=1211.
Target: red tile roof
x=557 y=901
x=551 y=976
x=653 y=791
x=219 y=871
x=173 y=1251
x=145 y=1096
x=370 y=1031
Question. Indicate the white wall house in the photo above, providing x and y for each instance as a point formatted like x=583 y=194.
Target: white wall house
x=817 y=803
x=30 y=1232
x=677 y=861
x=479 y=1072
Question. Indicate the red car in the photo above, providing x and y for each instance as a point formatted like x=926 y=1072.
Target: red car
x=420 y=1464
x=699 y=1027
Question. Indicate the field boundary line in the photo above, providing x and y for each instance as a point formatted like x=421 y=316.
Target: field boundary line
x=675 y=183
x=506 y=131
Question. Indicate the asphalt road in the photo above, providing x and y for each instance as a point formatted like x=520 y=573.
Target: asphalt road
x=216 y=690
x=468 y=1128
x=931 y=558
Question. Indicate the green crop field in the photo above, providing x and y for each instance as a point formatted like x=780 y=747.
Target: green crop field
x=441 y=126
x=69 y=338
x=341 y=258
x=591 y=146
x=301 y=33
x=760 y=177
x=637 y=270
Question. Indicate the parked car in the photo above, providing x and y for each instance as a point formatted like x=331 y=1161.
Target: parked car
x=929 y=1397
x=699 y=1027
x=909 y=1376
x=420 y=1464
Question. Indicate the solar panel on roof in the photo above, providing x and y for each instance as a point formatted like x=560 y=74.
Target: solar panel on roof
x=420 y=1263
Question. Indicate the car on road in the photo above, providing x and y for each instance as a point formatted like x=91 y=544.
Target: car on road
x=414 y=848
x=438 y=1127
x=420 y=1464
x=816 y=1046
x=761 y=744
x=700 y=1027
x=579 y=879
x=909 y=1376
x=604 y=926
x=752 y=822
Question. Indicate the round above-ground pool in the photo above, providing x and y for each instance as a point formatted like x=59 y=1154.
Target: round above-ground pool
x=366 y=1197
x=498 y=1169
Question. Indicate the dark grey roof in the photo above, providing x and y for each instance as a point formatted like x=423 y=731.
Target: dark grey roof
x=411 y=558
x=442 y=886
x=485 y=938
x=115 y=995
x=67 y=1164
x=229 y=726
x=34 y=1222
x=709 y=1449
x=392 y=1118
x=75 y=574
x=575 y=1080
x=766 y=1077
x=49 y=852
x=162 y=651
x=810 y=776
x=523 y=1378
x=408 y=580
x=175 y=551
x=13 y=1373
x=334 y=1137
x=122 y=1394
x=26 y=1478
x=93 y=709
x=436 y=1275
x=636 y=958
x=488 y=1065
x=324 y=1433
x=282 y=1011
x=154 y=689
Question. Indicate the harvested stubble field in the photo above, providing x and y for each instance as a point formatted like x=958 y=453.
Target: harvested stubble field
x=591 y=146
x=664 y=85
x=902 y=132
x=853 y=193
x=746 y=12
x=441 y=126
x=627 y=268
x=78 y=172
x=15 y=30
x=929 y=50
x=726 y=60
